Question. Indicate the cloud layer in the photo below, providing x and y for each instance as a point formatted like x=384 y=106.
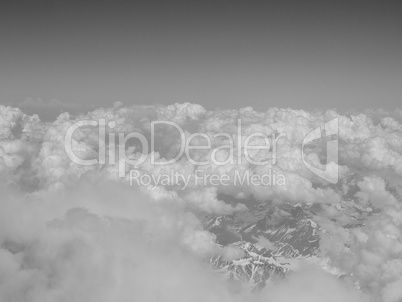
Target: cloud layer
x=70 y=232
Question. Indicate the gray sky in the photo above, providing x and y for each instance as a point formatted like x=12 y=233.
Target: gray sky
x=227 y=54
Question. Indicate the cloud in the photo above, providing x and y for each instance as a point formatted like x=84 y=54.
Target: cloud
x=70 y=232
x=311 y=285
x=102 y=242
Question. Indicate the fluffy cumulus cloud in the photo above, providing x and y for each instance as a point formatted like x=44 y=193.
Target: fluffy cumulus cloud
x=78 y=232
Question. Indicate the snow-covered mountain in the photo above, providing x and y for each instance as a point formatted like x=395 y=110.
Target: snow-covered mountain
x=275 y=239
x=255 y=269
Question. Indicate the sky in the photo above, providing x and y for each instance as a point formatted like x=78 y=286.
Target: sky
x=220 y=54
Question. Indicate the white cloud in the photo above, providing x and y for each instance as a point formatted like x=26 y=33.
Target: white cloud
x=70 y=232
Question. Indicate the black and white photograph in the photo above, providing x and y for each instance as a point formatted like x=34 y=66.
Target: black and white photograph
x=200 y=151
